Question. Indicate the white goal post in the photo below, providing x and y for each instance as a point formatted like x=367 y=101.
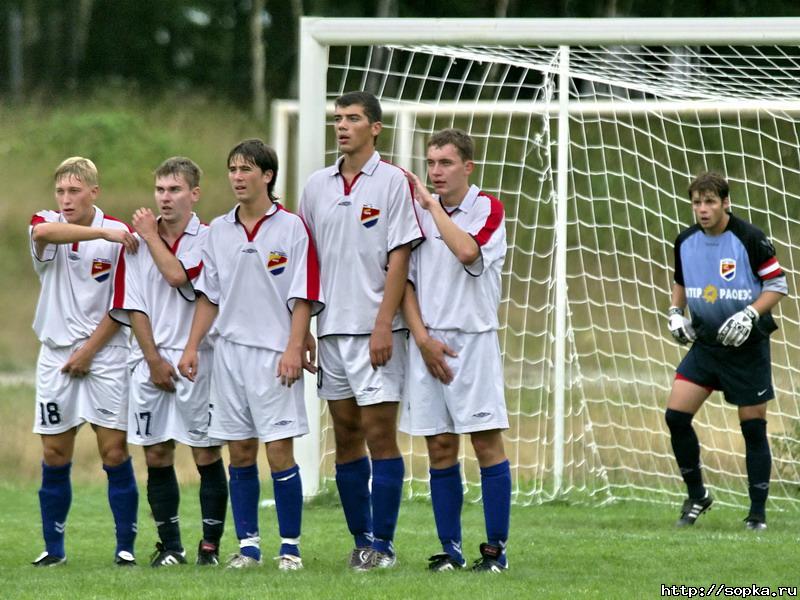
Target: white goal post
x=589 y=130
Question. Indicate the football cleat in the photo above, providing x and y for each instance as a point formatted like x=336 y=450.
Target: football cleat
x=124 y=559
x=444 y=562
x=382 y=560
x=48 y=560
x=289 y=562
x=755 y=522
x=490 y=560
x=360 y=558
x=692 y=509
x=240 y=561
x=207 y=554
x=167 y=558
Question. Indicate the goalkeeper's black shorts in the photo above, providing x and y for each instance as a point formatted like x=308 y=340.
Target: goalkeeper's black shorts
x=743 y=374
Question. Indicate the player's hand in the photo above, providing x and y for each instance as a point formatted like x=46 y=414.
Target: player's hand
x=380 y=345
x=79 y=363
x=124 y=237
x=162 y=374
x=310 y=354
x=144 y=223
x=290 y=366
x=187 y=365
x=679 y=326
x=421 y=193
x=737 y=328
x=433 y=353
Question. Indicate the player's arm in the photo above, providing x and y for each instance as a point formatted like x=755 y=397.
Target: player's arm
x=290 y=366
x=380 y=342
x=679 y=325
x=145 y=224
x=460 y=242
x=433 y=351
x=68 y=233
x=80 y=361
x=162 y=373
x=204 y=314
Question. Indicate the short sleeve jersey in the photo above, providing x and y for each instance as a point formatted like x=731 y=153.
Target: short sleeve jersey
x=255 y=277
x=169 y=309
x=723 y=274
x=355 y=226
x=451 y=295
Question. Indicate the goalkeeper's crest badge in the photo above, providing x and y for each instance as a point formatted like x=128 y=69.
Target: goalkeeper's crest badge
x=727 y=269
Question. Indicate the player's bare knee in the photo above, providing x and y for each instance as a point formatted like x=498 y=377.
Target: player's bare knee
x=114 y=455
x=243 y=453
x=488 y=446
x=442 y=450
x=160 y=455
x=280 y=455
x=56 y=456
x=206 y=456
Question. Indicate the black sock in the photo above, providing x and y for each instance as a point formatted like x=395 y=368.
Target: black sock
x=687 y=451
x=163 y=495
x=213 y=500
x=759 y=463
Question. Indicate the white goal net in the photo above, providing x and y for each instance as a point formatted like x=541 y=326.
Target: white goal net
x=637 y=122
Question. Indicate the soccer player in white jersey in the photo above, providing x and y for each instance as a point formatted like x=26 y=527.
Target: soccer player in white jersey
x=454 y=383
x=362 y=219
x=259 y=286
x=78 y=254
x=163 y=407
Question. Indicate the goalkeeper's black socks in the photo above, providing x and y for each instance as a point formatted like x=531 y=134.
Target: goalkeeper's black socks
x=213 y=500
x=687 y=451
x=759 y=463
x=163 y=495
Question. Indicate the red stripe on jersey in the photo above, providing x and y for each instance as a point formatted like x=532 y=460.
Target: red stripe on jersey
x=174 y=247
x=493 y=221
x=251 y=235
x=770 y=269
x=348 y=185
x=36 y=219
x=312 y=267
x=119 y=281
x=193 y=272
x=130 y=229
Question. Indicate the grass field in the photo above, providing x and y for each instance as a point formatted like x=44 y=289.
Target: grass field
x=626 y=550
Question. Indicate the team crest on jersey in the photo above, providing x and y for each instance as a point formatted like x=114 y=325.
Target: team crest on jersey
x=727 y=269
x=369 y=215
x=101 y=269
x=277 y=262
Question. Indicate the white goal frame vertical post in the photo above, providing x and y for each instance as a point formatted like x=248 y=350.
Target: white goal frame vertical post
x=318 y=34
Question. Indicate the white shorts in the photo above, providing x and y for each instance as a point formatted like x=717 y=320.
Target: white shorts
x=156 y=416
x=345 y=370
x=99 y=398
x=473 y=401
x=247 y=398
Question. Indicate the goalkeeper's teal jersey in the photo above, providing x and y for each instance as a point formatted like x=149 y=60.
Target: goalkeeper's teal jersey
x=722 y=274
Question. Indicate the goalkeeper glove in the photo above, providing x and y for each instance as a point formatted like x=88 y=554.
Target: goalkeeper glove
x=737 y=328
x=679 y=326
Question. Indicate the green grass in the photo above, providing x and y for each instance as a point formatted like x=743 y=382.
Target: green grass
x=626 y=550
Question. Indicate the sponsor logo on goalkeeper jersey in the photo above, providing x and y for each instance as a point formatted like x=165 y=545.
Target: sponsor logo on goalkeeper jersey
x=727 y=269
x=712 y=293
x=369 y=215
x=101 y=269
x=277 y=262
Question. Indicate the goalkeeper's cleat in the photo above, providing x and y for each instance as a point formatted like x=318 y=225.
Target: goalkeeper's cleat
x=439 y=563
x=207 y=554
x=162 y=557
x=48 y=560
x=360 y=558
x=124 y=559
x=692 y=509
x=492 y=559
x=289 y=562
x=755 y=522
x=240 y=561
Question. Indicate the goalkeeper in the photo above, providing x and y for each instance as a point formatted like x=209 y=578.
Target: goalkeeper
x=727 y=273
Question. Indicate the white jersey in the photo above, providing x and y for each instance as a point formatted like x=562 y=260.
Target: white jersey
x=81 y=282
x=453 y=296
x=355 y=226
x=169 y=309
x=255 y=277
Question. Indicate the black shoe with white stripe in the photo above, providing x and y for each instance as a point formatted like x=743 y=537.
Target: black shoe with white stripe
x=692 y=509
x=48 y=560
x=492 y=560
x=167 y=558
x=444 y=562
x=755 y=522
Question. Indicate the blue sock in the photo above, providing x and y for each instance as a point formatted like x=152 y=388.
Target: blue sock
x=55 y=498
x=352 y=480
x=123 y=498
x=447 y=498
x=245 y=490
x=496 y=489
x=387 y=489
x=288 y=489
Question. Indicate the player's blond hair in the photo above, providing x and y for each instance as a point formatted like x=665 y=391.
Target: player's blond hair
x=80 y=168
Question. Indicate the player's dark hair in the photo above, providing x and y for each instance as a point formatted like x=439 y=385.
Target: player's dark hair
x=460 y=139
x=709 y=182
x=180 y=165
x=256 y=152
x=370 y=104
